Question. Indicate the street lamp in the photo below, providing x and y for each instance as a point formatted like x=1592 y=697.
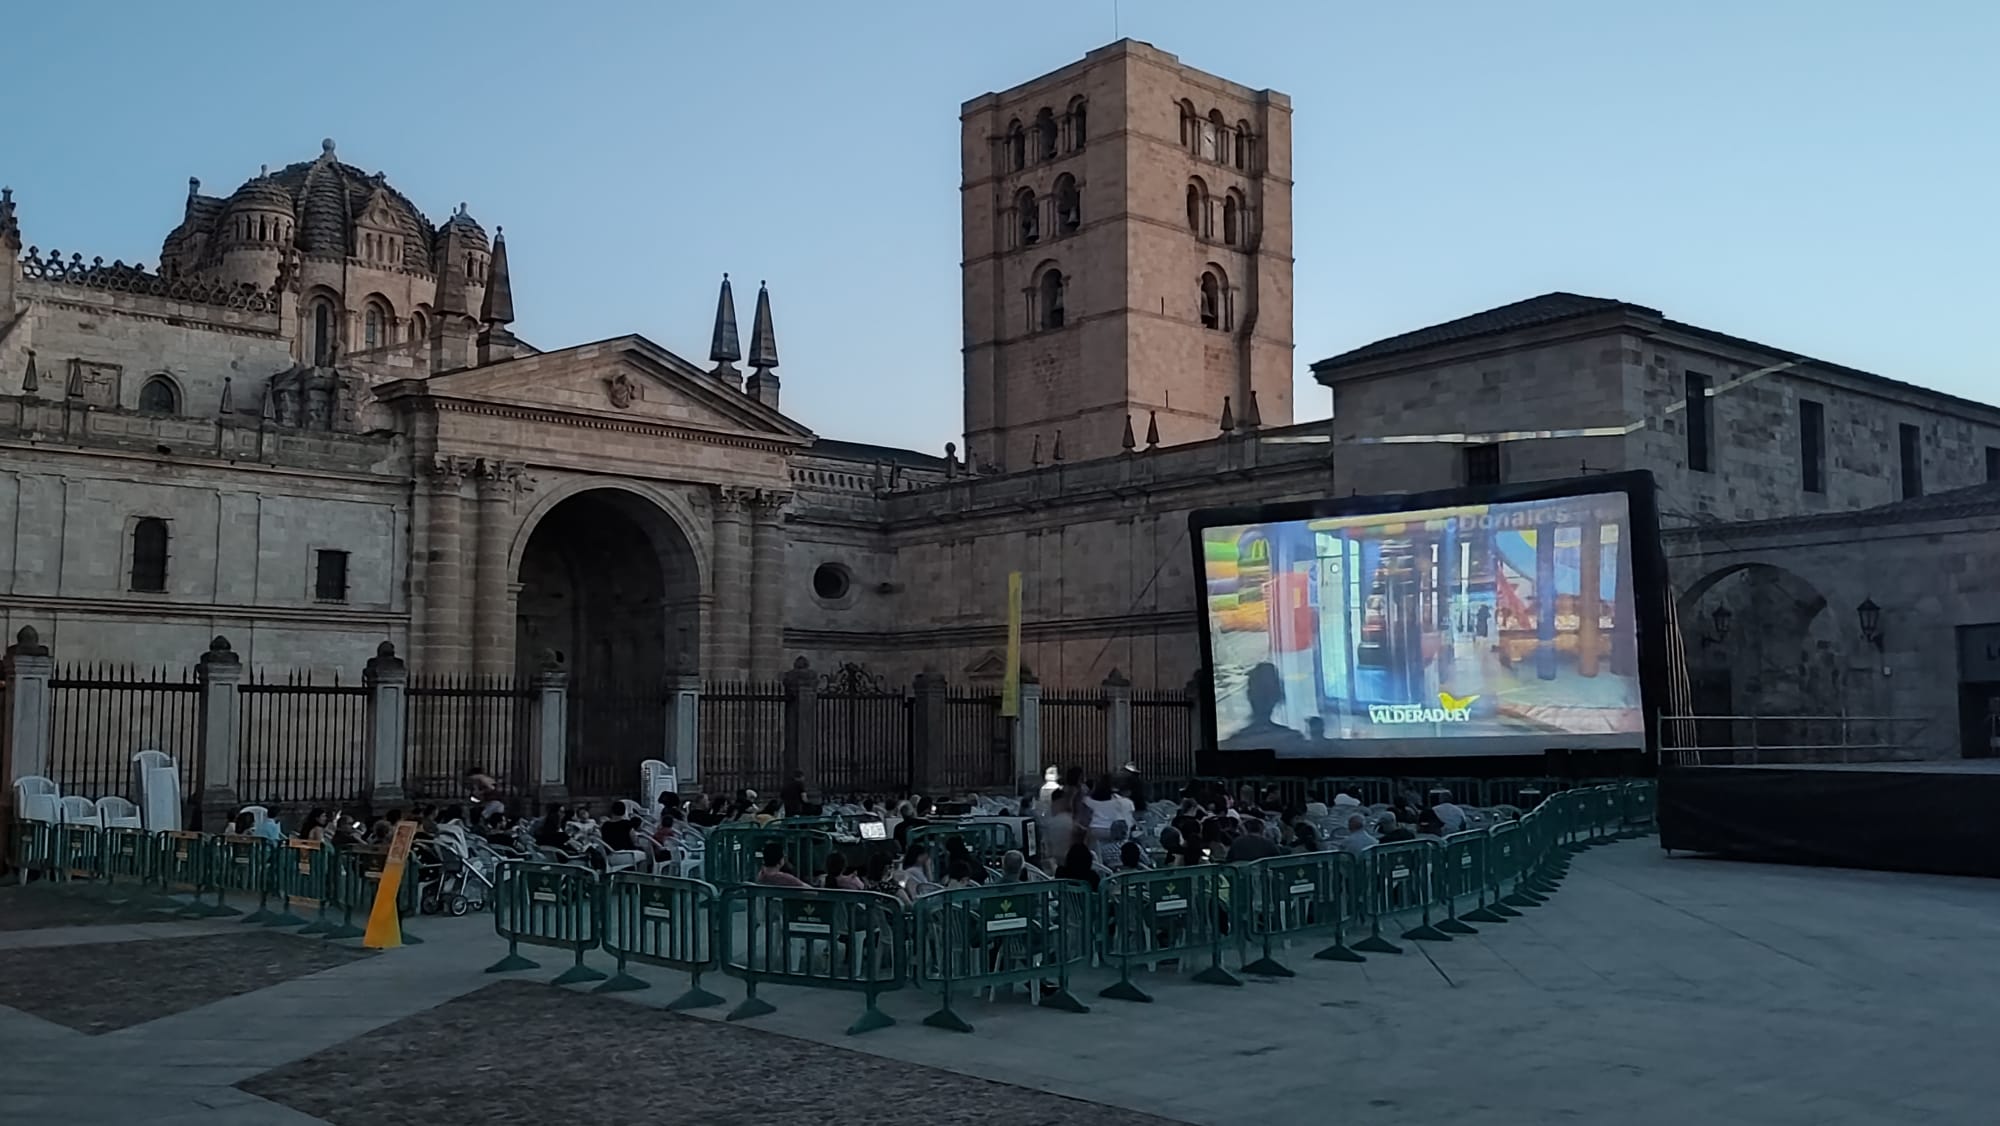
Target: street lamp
x=1871 y=622
x=1722 y=617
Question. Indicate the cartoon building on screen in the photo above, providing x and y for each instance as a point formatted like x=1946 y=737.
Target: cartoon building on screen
x=1491 y=620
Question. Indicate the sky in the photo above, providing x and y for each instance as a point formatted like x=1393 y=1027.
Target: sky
x=1818 y=175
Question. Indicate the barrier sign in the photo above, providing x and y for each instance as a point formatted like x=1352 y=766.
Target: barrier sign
x=385 y=929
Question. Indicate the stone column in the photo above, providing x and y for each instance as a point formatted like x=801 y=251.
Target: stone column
x=684 y=728
x=729 y=579
x=767 y=590
x=444 y=647
x=387 y=680
x=28 y=669
x=1028 y=738
x=219 y=672
x=801 y=720
x=1117 y=720
x=550 y=733
x=492 y=609
x=926 y=730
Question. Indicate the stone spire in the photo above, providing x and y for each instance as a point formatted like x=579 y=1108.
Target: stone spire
x=1057 y=454
x=1126 y=441
x=1252 y=418
x=453 y=331
x=10 y=255
x=1152 y=429
x=763 y=385
x=31 y=380
x=496 y=308
x=1228 y=423
x=10 y=226
x=723 y=347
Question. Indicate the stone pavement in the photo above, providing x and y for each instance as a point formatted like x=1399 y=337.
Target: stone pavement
x=1648 y=990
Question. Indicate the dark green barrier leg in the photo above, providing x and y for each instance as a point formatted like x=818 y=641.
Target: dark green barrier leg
x=346 y=927
x=1267 y=966
x=1061 y=999
x=1485 y=912
x=578 y=972
x=945 y=1017
x=871 y=1018
x=1375 y=943
x=1123 y=989
x=1339 y=951
x=320 y=924
x=1215 y=974
x=752 y=1006
x=695 y=998
x=1451 y=923
x=512 y=962
x=621 y=982
x=263 y=912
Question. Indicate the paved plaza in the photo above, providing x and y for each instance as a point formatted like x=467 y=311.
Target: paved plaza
x=1648 y=990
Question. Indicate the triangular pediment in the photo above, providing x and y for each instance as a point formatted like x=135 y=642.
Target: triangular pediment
x=629 y=378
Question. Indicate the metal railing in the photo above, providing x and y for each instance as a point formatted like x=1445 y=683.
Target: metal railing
x=301 y=740
x=1758 y=740
x=101 y=715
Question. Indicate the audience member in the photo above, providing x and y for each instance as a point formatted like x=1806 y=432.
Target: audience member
x=838 y=878
x=774 y=871
x=1358 y=839
x=1077 y=865
x=1254 y=844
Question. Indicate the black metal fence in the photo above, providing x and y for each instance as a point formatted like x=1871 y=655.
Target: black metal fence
x=1076 y=730
x=612 y=729
x=862 y=735
x=1163 y=734
x=742 y=728
x=301 y=740
x=972 y=751
x=456 y=723
x=101 y=715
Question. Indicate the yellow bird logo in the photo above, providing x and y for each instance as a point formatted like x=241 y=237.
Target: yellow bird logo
x=1453 y=703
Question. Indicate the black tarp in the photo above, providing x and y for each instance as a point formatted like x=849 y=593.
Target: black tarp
x=1917 y=820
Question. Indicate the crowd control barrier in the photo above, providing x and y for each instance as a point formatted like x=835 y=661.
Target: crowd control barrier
x=1001 y=935
x=664 y=921
x=734 y=851
x=1153 y=915
x=1503 y=856
x=821 y=939
x=1283 y=896
x=554 y=905
x=1460 y=872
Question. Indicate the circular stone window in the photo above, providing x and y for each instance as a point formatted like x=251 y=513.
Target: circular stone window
x=831 y=582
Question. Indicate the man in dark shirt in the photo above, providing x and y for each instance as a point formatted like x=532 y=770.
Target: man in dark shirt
x=1253 y=844
x=793 y=794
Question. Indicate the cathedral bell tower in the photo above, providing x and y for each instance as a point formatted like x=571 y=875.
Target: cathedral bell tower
x=1127 y=227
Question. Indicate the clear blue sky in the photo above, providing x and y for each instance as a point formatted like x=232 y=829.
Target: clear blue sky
x=1816 y=174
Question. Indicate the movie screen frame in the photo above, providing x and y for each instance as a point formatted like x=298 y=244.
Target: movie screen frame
x=1636 y=546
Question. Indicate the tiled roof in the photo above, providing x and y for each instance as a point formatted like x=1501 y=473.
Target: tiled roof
x=1954 y=504
x=868 y=453
x=1549 y=308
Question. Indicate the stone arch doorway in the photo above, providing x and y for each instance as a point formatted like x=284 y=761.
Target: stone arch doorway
x=1759 y=642
x=610 y=586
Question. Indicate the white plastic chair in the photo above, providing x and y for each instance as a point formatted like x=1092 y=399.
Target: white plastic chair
x=156 y=786
x=38 y=799
x=79 y=811
x=118 y=813
x=258 y=814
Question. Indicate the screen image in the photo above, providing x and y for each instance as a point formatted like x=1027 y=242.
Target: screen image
x=1497 y=628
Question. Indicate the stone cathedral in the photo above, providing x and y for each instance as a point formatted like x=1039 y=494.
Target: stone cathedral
x=310 y=428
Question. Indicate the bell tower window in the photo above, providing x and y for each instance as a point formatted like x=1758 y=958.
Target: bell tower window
x=1045 y=135
x=322 y=333
x=1027 y=217
x=1069 y=205
x=1052 y=288
x=1017 y=146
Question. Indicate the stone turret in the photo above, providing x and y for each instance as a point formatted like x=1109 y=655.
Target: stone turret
x=460 y=251
x=10 y=256
x=763 y=385
x=496 y=308
x=723 y=348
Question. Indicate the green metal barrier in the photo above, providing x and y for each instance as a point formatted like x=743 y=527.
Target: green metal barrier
x=664 y=921
x=128 y=854
x=1541 y=839
x=1397 y=878
x=1003 y=934
x=820 y=939
x=79 y=852
x=29 y=848
x=1149 y=916
x=299 y=879
x=735 y=851
x=183 y=864
x=357 y=872
x=1502 y=863
x=243 y=864
x=1461 y=871
x=1295 y=895
x=1640 y=799
x=553 y=905
x=986 y=840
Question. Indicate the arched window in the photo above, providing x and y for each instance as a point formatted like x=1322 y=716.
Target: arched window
x=157 y=396
x=1051 y=299
x=1232 y=219
x=1027 y=217
x=1211 y=136
x=149 y=554
x=1045 y=134
x=1211 y=301
x=1077 y=132
x=371 y=327
x=419 y=329
x=1069 y=205
x=323 y=339
x=1017 y=146
x=1243 y=144
x=1197 y=207
x=1190 y=129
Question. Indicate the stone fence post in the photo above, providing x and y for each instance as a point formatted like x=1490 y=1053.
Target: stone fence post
x=1028 y=737
x=927 y=725
x=387 y=679
x=219 y=673
x=801 y=719
x=549 y=730
x=1117 y=721
x=28 y=670
x=684 y=729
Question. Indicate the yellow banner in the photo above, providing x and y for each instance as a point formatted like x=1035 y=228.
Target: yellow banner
x=385 y=928
x=1010 y=687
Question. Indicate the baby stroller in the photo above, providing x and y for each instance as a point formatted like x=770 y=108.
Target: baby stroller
x=469 y=866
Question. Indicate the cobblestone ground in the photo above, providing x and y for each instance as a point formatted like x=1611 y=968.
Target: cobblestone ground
x=41 y=905
x=601 y=1060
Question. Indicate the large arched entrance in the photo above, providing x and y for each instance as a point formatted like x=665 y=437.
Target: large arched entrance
x=610 y=586
x=1760 y=644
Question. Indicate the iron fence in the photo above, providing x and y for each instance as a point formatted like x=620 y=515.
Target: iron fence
x=456 y=723
x=742 y=727
x=300 y=741
x=862 y=735
x=974 y=746
x=1076 y=730
x=612 y=729
x=1163 y=734
x=100 y=715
